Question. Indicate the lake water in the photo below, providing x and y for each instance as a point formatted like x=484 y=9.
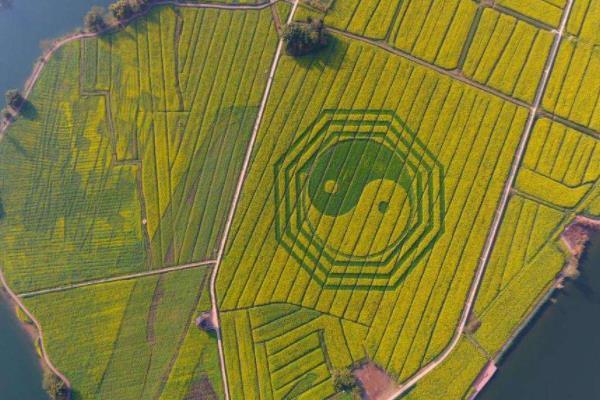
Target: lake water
x=23 y=25
x=558 y=356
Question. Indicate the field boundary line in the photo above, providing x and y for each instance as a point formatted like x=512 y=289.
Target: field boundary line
x=498 y=217
x=452 y=73
x=235 y=201
x=40 y=335
x=127 y=277
x=60 y=42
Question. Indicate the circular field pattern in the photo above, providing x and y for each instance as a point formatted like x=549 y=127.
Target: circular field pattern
x=360 y=199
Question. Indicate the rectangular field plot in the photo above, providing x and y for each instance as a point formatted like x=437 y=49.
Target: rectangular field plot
x=508 y=54
x=132 y=339
x=70 y=213
x=574 y=86
x=546 y=11
x=434 y=30
x=128 y=156
x=395 y=173
x=190 y=103
x=561 y=165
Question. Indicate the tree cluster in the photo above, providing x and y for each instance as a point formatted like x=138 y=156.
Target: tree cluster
x=14 y=98
x=97 y=19
x=125 y=9
x=303 y=38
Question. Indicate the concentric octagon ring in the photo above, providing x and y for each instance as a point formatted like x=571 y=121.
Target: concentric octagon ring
x=359 y=199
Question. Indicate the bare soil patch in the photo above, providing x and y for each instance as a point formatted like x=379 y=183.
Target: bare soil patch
x=376 y=383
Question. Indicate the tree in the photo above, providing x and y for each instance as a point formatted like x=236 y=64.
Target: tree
x=94 y=20
x=5 y=114
x=345 y=381
x=121 y=10
x=14 y=98
x=54 y=386
x=305 y=37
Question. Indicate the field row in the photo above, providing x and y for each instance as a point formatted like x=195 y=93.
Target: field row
x=508 y=54
x=132 y=339
x=189 y=104
x=528 y=252
x=410 y=321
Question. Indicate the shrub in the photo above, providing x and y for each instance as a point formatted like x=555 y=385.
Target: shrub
x=305 y=37
x=14 y=98
x=121 y=10
x=55 y=387
x=5 y=114
x=345 y=381
x=94 y=20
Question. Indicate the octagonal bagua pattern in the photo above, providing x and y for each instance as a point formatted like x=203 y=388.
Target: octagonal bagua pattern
x=360 y=199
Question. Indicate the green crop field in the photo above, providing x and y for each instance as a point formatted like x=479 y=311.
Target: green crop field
x=396 y=198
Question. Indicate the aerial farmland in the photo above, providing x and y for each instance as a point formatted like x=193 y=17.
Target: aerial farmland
x=304 y=199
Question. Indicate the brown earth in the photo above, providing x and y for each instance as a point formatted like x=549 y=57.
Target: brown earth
x=375 y=382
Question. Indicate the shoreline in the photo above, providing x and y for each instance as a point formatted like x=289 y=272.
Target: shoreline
x=32 y=328
x=575 y=237
x=27 y=327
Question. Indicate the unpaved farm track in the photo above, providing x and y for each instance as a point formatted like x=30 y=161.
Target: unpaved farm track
x=489 y=244
x=534 y=113
x=40 y=334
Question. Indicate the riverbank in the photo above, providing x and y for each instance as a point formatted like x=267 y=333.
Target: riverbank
x=576 y=238
x=17 y=346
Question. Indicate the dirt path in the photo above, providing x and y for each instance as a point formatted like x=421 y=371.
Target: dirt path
x=56 y=45
x=454 y=74
x=40 y=333
x=533 y=113
x=234 y=203
x=117 y=278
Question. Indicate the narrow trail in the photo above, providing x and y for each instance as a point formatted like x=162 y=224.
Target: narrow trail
x=234 y=203
x=498 y=217
x=27 y=89
x=534 y=113
x=56 y=45
x=40 y=333
x=118 y=278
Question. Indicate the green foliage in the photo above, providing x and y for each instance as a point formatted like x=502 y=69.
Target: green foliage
x=344 y=380
x=14 y=98
x=54 y=386
x=94 y=20
x=121 y=10
x=303 y=38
